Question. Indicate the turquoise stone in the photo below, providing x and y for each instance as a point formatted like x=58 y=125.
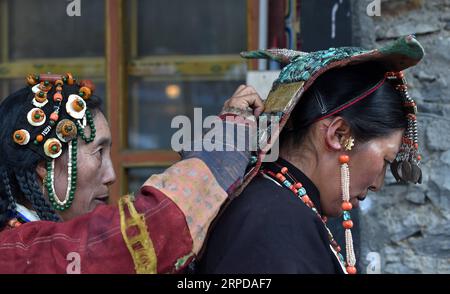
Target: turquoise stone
x=346 y=215
x=287 y=184
x=329 y=54
x=305 y=76
x=301 y=191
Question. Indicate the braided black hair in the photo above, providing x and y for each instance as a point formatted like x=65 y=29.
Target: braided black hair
x=27 y=181
x=8 y=203
x=18 y=163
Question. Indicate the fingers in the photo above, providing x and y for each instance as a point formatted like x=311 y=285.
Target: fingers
x=238 y=90
x=245 y=97
x=258 y=106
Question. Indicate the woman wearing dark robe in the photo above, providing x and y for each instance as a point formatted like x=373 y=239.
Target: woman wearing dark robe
x=345 y=115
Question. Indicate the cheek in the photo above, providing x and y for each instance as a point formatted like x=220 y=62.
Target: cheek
x=88 y=169
x=86 y=179
x=366 y=170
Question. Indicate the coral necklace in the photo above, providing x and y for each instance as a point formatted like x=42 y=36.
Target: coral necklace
x=287 y=180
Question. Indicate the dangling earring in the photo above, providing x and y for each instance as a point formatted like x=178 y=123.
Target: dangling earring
x=347 y=206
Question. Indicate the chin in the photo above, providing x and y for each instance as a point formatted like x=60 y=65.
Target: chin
x=333 y=212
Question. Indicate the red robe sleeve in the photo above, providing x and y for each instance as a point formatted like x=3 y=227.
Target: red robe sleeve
x=173 y=211
x=160 y=231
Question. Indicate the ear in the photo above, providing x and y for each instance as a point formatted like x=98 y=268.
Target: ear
x=41 y=170
x=337 y=129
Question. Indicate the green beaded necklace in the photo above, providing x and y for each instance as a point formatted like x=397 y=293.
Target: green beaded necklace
x=71 y=169
x=71 y=181
x=80 y=128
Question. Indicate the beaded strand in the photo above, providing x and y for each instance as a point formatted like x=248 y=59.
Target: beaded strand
x=71 y=180
x=297 y=188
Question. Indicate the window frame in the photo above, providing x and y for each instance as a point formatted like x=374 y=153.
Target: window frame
x=115 y=70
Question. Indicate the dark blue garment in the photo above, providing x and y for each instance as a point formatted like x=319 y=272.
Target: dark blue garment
x=267 y=229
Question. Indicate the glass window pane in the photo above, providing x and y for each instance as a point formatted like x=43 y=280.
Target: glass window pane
x=153 y=104
x=42 y=29
x=137 y=176
x=191 y=27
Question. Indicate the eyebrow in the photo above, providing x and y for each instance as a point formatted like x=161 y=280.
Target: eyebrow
x=104 y=141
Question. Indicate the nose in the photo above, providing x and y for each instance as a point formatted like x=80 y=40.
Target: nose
x=378 y=183
x=109 y=175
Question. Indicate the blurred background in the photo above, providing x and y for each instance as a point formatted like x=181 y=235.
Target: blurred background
x=154 y=59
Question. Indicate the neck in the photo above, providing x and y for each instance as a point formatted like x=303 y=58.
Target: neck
x=305 y=160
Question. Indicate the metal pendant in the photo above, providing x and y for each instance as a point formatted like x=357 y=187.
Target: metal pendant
x=416 y=174
x=406 y=171
x=394 y=170
x=66 y=130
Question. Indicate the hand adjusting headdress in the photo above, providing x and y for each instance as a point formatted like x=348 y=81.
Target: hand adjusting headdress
x=303 y=69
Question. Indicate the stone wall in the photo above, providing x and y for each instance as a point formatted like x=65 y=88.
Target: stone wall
x=406 y=228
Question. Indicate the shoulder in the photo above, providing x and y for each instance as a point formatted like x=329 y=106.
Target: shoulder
x=265 y=198
x=267 y=229
x=265 y=211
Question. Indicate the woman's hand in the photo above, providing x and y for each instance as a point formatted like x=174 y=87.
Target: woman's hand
x=245 y=99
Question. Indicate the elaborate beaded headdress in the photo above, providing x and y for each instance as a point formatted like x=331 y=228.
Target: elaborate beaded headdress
x=303 y=68
x=53 y=120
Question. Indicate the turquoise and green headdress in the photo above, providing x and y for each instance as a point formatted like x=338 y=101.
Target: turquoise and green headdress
x=302 y=69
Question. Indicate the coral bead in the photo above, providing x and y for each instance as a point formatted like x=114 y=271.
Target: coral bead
x=54 y=116
x=87 y=83
x=306 y=199
x=31 y=80
x=57 y=97
x=351 y=270
x=284 y=170
x=344 y=159
x=69 y=78
x=39 y=138
x=348 y=224
x=86 y=92
x=346 y=206
x=280 y=177
x=298 y=185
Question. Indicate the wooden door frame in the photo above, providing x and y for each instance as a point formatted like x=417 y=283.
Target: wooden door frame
x=116 y=89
